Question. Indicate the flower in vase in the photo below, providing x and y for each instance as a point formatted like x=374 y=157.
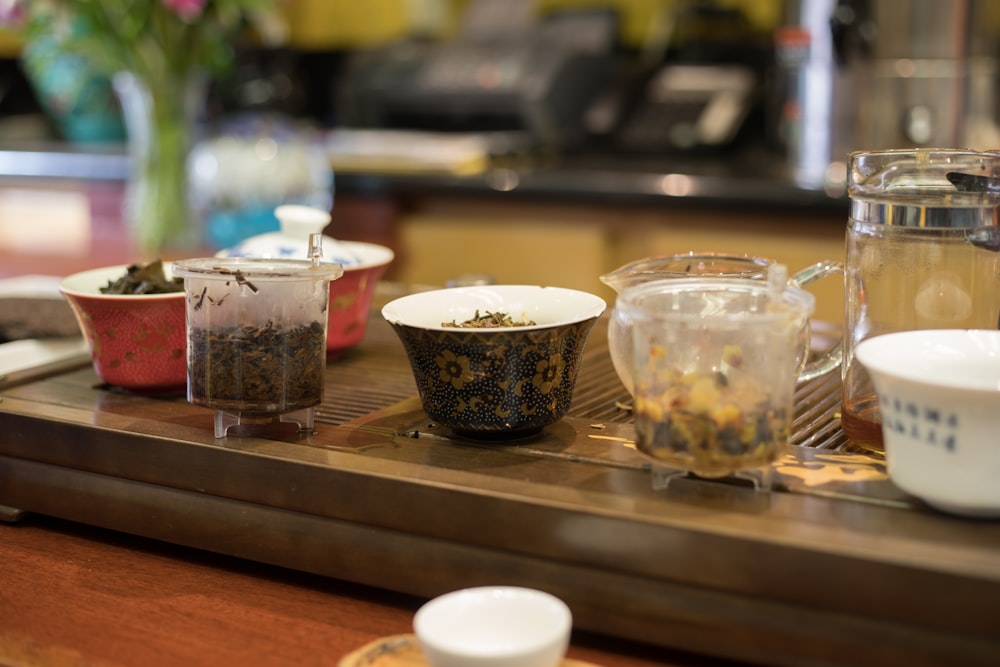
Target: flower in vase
x=161 y=55
x=149 y=37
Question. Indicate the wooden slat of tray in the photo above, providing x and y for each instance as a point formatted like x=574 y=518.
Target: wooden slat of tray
x=842 y=571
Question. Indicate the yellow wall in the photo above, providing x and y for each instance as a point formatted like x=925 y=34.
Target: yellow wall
x=10 y=44
x=325 y=24
x=572 y=245
x=322 y=24
x=346 y=24
x=639 y=17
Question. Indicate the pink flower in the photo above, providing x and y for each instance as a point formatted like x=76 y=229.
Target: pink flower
x=186 y=9
x=12 y=13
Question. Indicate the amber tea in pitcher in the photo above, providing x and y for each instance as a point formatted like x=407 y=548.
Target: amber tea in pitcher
x=923 y=252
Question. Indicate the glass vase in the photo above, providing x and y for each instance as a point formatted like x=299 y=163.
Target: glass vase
x=160 y=118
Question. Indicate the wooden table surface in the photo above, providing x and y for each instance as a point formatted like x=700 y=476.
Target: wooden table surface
x=75 y=595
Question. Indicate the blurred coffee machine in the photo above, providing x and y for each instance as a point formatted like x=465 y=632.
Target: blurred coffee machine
x=508 y=69
x=872 y=74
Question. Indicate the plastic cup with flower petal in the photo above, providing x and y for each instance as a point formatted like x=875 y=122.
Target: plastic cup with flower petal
x=715 y=363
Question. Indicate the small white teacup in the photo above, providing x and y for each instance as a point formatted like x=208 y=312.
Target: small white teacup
x=494 y=626
x=939 y=394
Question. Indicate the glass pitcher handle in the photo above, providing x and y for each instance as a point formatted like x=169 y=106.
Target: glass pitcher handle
x=832 y=358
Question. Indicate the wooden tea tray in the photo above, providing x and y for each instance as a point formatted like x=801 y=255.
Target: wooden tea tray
x=833 y=566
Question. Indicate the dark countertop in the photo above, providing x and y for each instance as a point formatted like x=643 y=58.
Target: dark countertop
x=749 y=178
x=60 y=161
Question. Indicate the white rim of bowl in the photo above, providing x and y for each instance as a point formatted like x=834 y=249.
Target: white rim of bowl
x=873 y=353
x=105 y=274
x=590 y=306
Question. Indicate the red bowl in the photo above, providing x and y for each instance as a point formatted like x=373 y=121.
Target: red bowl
x=137 y=342
x=350 y=300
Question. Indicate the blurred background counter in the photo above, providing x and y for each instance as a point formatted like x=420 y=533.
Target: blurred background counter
x=542 y=141
x=559 y=224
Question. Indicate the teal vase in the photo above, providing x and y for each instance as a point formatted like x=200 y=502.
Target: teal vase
x=80 y=102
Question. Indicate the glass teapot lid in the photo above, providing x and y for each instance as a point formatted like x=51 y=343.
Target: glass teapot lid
x=686 y=265
x=925 y=187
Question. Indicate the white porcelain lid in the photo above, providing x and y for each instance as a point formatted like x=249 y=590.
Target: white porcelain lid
x=292 y=242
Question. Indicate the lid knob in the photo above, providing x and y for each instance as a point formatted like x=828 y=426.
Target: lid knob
x=301 y=221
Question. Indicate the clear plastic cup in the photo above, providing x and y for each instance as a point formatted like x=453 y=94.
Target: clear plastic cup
x=715 y=363
x=256 y=338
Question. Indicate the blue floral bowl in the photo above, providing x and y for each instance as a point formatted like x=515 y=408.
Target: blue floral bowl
x=503 y=381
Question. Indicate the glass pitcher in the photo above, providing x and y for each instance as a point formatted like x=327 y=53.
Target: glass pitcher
x=922 y=253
